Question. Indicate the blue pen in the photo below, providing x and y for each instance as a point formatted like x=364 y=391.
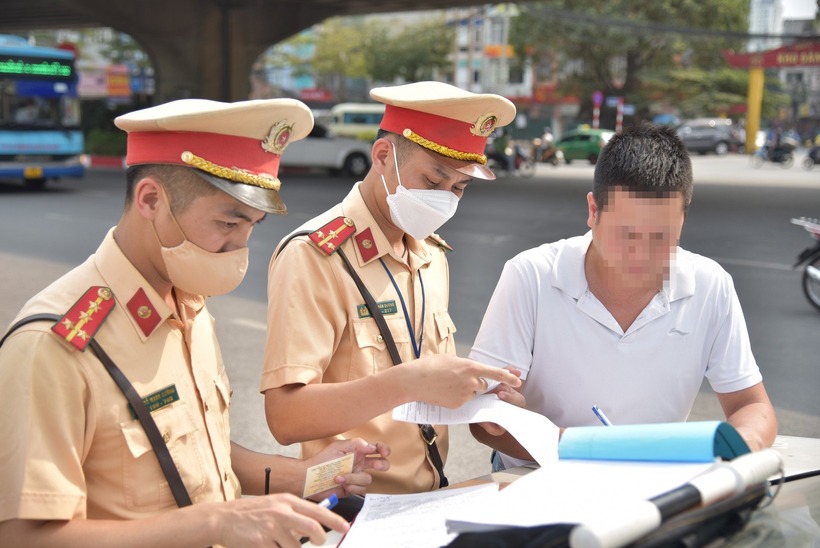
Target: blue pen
x=601 y=416
x=329 y=502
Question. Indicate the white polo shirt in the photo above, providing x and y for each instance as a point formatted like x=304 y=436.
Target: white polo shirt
x=543 y=319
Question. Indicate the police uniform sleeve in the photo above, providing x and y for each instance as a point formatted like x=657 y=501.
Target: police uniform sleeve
x=306 y=315
x=44 y=428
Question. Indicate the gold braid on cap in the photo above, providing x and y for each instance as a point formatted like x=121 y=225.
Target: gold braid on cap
x=232 y=174
x=443 y=150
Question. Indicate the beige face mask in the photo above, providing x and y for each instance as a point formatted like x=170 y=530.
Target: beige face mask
x=195 y=270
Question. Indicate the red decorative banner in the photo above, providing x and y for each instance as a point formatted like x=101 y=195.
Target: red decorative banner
x=805 y=54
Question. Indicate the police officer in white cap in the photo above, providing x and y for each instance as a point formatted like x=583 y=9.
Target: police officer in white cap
x=116 y=386
x=364 y=287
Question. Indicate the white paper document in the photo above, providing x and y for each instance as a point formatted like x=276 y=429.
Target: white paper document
x=535 y=432
x=412 y=521
x=573 y=491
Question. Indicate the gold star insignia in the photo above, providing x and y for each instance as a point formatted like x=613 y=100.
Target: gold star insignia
x=82 y=334
x=93 y=306
x=68 y=324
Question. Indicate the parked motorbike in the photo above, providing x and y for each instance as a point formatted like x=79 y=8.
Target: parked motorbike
x=783 y=155
x=524 y=166
x=810 y=257
x=546 y=153
x=812 y=158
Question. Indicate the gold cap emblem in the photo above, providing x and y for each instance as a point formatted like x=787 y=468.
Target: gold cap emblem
x=484 y=125
x=278 y=137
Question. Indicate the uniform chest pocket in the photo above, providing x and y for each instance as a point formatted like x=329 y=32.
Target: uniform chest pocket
x=370 y=351
x=445 y=329
x=144 y=484
x=223 y=387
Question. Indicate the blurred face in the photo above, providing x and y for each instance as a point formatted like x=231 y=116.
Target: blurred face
x=636 y=235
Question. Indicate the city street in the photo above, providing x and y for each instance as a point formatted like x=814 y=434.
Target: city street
x=739 y=217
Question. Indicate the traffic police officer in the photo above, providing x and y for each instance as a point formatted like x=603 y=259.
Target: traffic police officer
x=330 y=369
x=77 y=464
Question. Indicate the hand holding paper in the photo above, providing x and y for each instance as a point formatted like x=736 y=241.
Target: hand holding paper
x=536 y=433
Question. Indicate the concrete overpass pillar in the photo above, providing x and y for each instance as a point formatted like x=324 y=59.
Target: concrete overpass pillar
x=204 y=48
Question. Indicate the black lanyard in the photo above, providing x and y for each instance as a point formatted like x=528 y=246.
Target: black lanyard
x=416 y=347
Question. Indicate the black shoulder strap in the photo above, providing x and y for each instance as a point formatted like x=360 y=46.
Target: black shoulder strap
x=166 y=462
x=368 y=298
x=287 y=240
x=375 y=311
x=428 y=433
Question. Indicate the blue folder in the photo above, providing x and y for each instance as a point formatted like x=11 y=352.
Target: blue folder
x=700 y=441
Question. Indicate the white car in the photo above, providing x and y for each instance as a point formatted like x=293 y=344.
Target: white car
x=320 y=149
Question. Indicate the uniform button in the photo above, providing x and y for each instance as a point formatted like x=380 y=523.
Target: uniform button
x=166 y=436
x=380 y=338
x=206 y=406
x=225 y=475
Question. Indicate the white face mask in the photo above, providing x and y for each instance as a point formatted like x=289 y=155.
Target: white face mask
x=195 y=270
x=419 y=212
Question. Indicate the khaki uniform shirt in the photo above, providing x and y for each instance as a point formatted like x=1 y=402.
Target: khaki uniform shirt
x=320 y=331
x=72 y=448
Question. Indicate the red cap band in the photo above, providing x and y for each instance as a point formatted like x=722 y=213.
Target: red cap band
x=166 y=147
x=441 y=130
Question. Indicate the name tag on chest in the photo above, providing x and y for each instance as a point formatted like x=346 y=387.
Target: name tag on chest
x=386 y=307
x=158 y=400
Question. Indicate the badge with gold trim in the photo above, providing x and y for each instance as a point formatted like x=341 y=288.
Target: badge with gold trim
x=484 y=125
x=333 y=234
x=143 y=312
x=366 y=244
x=82 y=321
x=278 y=137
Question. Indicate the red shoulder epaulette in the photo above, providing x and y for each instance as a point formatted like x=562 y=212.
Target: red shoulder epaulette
x=82 y=321
x=333 y=234
x=439 y=241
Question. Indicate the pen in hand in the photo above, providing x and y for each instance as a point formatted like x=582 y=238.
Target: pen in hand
x=267 y=480
x=329 y=502
x=601 y=416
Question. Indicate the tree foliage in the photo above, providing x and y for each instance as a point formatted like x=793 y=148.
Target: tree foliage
x=416 y=53
x=696 y=92
x=341 y=47
x=627 y=47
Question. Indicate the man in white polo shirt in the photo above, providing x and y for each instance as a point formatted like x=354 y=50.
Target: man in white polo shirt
x=622 y=317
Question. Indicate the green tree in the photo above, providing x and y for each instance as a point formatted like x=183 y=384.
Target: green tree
x=341 y=49
x=417 y=52
x=624 y=47
x=697 y=92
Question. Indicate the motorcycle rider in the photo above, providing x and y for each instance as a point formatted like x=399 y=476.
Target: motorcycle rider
x=502 y=151
x=547 y=149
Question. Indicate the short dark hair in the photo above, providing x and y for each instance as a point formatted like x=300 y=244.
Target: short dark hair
x=647 y=159
x=404 y=146
x=181 y=183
